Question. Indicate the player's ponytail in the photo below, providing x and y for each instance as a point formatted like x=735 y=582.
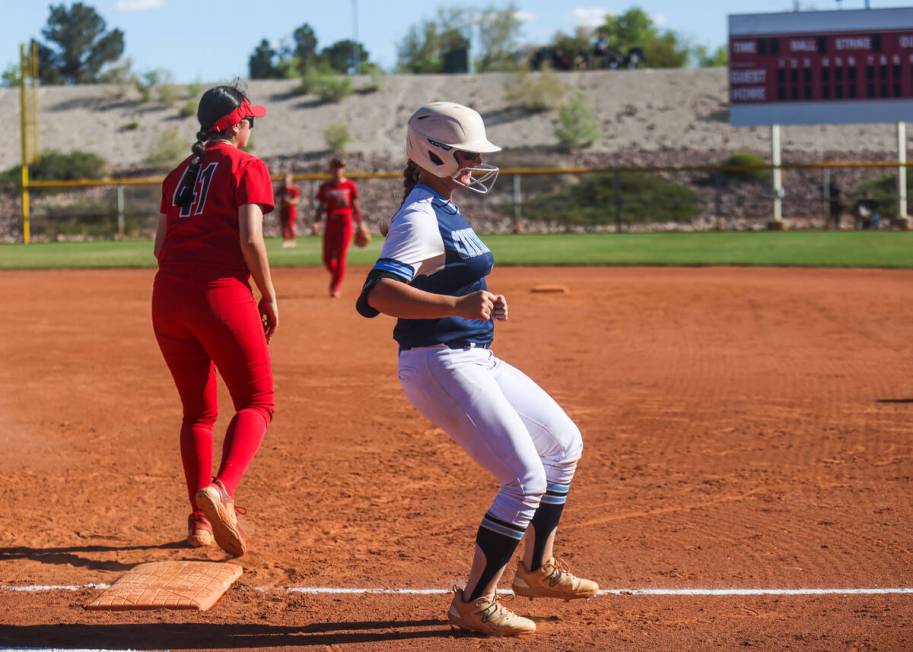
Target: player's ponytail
x=216 y=103
x=410 y=177
x=184 y=195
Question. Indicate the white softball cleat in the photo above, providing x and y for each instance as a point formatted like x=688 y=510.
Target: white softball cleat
x=552 y=580
x=485 y=615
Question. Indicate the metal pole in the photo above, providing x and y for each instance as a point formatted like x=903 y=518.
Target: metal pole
x=616 y=197
x=777 y=175
x=33 y=106
x=718 y=199
x=518 y=202
x=356 y=54
x=902 y=170
x=24 y=147
x=120 y=212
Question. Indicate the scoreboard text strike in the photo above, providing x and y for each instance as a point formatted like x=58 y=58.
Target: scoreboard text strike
x=821 y=67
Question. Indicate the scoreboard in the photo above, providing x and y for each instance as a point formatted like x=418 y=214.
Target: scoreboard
x=821 y=67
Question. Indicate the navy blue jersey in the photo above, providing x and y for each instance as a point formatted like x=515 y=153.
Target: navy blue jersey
x=432 y=247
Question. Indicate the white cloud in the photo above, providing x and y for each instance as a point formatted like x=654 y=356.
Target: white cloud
x=591 y=17
x=659 y=20
x=139 y=5
x=524 y=16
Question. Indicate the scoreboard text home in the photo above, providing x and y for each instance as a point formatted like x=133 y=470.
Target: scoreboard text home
x=820 y=67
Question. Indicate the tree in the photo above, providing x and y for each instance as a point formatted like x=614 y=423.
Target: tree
x=260 y=64
x=499 y=34
x=304 y=46
x=419 y=51
x=78 y=45
x=634 y=28
x=339 y=55
x=706 y=58
x=10 y=76
x=422 y=49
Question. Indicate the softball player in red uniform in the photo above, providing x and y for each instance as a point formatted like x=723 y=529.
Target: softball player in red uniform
x=288 y=197
x=209 y=243
x=431 y=276
x=339 y=200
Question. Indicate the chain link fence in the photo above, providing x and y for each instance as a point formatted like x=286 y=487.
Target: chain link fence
x=530 y=200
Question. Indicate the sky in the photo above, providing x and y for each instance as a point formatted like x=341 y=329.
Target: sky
x=211 y=40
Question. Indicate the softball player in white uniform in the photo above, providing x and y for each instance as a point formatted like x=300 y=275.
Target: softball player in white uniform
x=431 y=276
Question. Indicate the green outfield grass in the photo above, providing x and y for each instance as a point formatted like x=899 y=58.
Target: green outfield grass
x=806 y=249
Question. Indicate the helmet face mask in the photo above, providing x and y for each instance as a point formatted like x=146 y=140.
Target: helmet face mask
x=437 y=131
x=482 y=177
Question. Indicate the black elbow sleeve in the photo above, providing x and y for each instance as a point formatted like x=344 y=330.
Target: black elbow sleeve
x=364 y=308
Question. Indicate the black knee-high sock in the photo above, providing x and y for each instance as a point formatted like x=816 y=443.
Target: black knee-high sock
x=498 y=540
x=546 y=519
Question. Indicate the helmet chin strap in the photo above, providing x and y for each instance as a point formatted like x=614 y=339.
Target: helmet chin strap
x=481 y=184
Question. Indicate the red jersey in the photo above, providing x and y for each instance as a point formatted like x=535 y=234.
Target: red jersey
x=204 y=240
x=337 y=198
x=287 y=211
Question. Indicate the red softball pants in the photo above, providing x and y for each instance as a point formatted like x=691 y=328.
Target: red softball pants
x=202 y=326
x=336 y=240
x=288 y=224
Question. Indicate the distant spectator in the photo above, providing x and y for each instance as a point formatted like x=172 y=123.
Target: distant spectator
x=834 y=203
x=865 y=212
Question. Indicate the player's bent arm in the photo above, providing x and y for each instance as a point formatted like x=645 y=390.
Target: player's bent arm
x=397 y=299
x=250 y=224
x=160 y=231
x=356 y=210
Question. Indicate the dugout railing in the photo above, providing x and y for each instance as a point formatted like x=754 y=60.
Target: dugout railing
x=621 y=198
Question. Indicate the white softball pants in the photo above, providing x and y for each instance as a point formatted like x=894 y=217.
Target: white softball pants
x=502 y=419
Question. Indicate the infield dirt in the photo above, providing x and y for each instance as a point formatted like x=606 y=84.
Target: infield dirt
x=743 y=428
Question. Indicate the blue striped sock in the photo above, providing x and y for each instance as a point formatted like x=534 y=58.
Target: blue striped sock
x=497 y=540
x=546 y=519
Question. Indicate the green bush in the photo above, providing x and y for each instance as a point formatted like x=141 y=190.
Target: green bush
x=131 y=125
x=375 y=78
x=645 y=198
x=744 y=159
x=337 y=136
x=325 y=84
x=188 y=109
x=535 y=92
x=169 y=149
x=882 y=190
x=167 y=94
x=57 y=166
x=577 y=126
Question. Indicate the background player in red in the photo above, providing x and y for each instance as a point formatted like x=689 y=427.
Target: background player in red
x=288 y=197
x=209 y=243
x=337 y=198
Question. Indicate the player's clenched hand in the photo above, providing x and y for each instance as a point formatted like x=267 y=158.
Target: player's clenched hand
x=478 y=305
x=269 y=314
x=500 y=308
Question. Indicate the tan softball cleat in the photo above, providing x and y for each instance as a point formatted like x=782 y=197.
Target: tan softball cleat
x=219 y=508
x=552 y=580
x=486 y=615
x=199 y=531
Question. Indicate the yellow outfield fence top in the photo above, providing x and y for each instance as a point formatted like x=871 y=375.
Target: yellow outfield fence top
x=517 y=171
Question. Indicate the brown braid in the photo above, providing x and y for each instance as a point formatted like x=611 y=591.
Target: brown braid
x=410 y=178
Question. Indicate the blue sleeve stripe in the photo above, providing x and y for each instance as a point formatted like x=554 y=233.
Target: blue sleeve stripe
x=395 y=267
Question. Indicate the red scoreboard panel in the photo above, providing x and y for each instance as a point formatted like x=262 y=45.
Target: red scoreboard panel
x=821 y=67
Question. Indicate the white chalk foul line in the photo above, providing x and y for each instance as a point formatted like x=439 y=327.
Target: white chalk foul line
x=695 y=592
x=37 y=588
x=319 y=590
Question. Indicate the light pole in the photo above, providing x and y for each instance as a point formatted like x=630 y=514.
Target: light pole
x=356 y=54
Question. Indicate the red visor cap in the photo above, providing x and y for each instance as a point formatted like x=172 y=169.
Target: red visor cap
x=246 y=109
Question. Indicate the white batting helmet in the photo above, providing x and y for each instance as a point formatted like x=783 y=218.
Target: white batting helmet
x=437 y=130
